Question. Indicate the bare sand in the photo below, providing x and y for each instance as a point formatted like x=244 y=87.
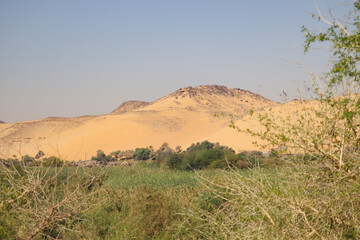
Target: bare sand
x=186 y=116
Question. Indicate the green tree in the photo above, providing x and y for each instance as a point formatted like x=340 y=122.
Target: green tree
x=174 y=161
x=102 y=158
x=329 y=126
x=141 y=154
x=200 y=146
x=345 y=46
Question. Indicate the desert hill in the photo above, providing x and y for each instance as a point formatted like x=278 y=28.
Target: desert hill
x=211 y=99
x=185 y=116
x=129 y=106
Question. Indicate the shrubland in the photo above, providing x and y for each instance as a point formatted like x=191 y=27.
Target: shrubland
x=207 y=155
x=294 y=197
x=51 y=198
x=208 y=191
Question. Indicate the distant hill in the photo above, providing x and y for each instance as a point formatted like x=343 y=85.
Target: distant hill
x=211 y=99
x=129 y=106
x=185 y=116
x=2 y=122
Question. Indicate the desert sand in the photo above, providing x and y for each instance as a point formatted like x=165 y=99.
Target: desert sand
x=186 y=116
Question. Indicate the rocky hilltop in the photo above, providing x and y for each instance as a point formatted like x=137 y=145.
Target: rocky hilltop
x=208 y=90
x=129 y=106
x=212 y=99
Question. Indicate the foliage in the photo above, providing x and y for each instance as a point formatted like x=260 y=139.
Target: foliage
x=339 y=113
x=199 y=156
x=315 y=194
x=287 y=202
x=142 y=202
x=312 y=196
x=152 y=174
x=200 y=146
x=328 y=127
x=53 y=162
x=116 y=155
x=152 y=211
x=174 y=160
x=142 y=154
x=42 y=202
x=162 y=153
x=208 y=155
x=148 y=201
x=102 y=157
x=344 y=41
x=204 y=158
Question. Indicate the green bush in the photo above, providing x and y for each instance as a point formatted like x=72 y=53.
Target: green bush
x=203 y=155
x=255 y=161
x=102 y=158
x=174 y=161
x=241 y=156
x=152 y=212
x=53 y=162
x=200 y=146
x=162 y=155
x=204 y=158
x=210 y=201
x=141 y=154
x=220 y=163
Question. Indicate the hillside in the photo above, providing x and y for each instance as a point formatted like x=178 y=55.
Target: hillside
x=185 y=116
x=129 y=106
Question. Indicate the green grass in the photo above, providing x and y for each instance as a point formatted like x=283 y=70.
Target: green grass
x=150 y=174
x=148 y=201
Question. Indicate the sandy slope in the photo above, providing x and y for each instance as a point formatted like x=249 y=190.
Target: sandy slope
x=181 y=118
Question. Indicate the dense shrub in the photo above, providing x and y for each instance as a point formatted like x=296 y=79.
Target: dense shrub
x=40 y=202
x=174 y=161
x=142 y=154
x=202 y=155
x=219 y=163
x=102 y=158
x=162 y=153
x=53 y=162
x=292 y=201
x=200 y=146
x=203 y=158
x=141 y=212
x=152 y=211
x=160 y=157
x=241 y=156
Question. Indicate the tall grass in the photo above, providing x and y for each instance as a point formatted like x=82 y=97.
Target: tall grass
x=294 y=201
x=152 y=174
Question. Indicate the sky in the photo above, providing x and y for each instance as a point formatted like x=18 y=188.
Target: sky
x=71 y=58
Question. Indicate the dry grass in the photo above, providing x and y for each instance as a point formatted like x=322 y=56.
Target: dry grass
x=294 y=201
x=44 y=201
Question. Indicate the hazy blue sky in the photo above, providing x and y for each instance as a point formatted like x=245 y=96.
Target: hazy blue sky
x=71 y=58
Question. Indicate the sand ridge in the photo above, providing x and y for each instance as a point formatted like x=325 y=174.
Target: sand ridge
x=186 y=116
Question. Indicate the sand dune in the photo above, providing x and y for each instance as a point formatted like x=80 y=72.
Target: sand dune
x=181 y=118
